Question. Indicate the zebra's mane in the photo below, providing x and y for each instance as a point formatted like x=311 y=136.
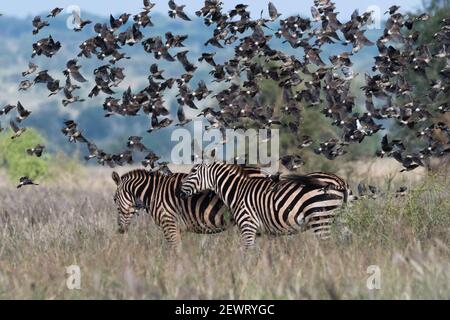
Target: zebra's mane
x=133 y=172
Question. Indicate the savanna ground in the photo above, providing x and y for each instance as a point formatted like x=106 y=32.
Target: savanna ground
x=73 y=221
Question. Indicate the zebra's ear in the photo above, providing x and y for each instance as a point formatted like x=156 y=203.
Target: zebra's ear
x=116 y=177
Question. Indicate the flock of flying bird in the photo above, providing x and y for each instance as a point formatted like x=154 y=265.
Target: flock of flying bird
x=308 y=82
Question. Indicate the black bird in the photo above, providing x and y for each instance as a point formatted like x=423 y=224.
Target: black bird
x=175 y=41
x=125 y=157
x=55 y=12
x=443 y=108
x=164 y=169
x=312 y=55
x=392 y=9
x=156 y=124
x=186 y=97
x=46 y=46
x=93 y=151
x=103 y=79
x=306 y=142
x=155 y=72
x=143 y=19
x=367 y=191
x=387 y=147
x=6 y=109
x=331 y=149
x=37 y=150
x=208 y=57
x=409 y=162
x=43 y=77
x=23 y=113
x=69 y=97
x=106 y=158
x=117 y=56
x=117 y=23
x=71 y=130
x=135 y=142
x=24 y=85
x=273 y=13
x=53 y=87
x=25 y=181
x=148 y=5
x=202 y=91
x=131 y=36
x=17 y=132
x=177 y=11
x=73 y=70
x=38 y=24
x=316 y=14
x=214 y=42
x=31 y=69
x=182 y=117
x=401 y=192
x=181 y=56
x=116 y=75
x=150 y=159
x=157 y=47
x=292 y=162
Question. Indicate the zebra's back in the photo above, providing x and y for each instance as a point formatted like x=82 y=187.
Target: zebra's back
x=202 y=213
x=285 y=206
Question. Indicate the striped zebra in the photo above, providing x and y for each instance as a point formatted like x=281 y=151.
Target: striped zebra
x=276 y=207
x=158 y=194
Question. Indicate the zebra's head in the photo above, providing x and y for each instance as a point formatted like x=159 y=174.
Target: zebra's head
x=196 y=181
x=125 y=202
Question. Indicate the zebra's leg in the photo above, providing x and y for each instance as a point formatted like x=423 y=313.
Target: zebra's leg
x=247 y=228
x=319 y=224
x=171 y=230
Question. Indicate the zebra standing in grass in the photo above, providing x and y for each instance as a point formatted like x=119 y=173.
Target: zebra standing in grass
x=262 y=205
x=157 y=193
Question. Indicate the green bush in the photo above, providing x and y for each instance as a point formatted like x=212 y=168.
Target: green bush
x=13 y=155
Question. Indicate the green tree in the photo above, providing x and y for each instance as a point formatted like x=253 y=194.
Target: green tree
x=13 y=155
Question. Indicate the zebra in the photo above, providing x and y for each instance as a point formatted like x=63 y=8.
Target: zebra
x=260 y=205
x=157 y=193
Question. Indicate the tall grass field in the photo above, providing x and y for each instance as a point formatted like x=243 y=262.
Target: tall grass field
x=384 y=248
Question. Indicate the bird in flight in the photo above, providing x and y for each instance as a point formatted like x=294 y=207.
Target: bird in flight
x=25 y=181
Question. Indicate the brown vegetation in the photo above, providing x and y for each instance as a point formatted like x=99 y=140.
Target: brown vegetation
x=45 y=229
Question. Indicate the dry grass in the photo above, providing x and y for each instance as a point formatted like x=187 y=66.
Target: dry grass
x=45 y=229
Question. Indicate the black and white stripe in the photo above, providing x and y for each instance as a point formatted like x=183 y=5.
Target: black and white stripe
x=262 y=205
x=159 y=195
